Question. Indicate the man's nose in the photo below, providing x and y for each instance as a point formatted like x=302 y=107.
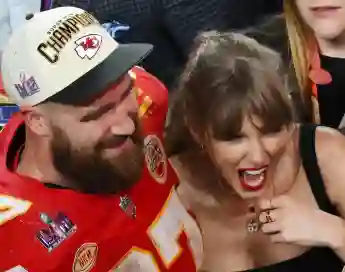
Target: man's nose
x=122 y=121
x=125 y=126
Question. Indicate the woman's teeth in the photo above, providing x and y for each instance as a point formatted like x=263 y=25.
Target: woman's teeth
x=255 y=172
x=253 y=179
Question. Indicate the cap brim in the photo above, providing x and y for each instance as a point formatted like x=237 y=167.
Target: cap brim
x=100 y=77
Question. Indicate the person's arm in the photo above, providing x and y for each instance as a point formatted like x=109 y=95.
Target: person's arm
x=330 y=147
x=184 y=19
x=83 y=4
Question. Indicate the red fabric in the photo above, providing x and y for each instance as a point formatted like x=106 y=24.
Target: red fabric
x=2 y=91
x=98 y=219
x=317 y=75
x=153 y=101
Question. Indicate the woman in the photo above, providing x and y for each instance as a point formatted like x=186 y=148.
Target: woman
x=316 y=38
x=268 y=193
x=316 y=32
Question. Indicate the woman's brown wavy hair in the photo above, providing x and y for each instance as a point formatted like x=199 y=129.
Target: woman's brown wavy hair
x=228 y=77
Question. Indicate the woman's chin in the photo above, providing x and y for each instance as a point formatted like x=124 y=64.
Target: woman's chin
x=324 y=32
x=246 y=191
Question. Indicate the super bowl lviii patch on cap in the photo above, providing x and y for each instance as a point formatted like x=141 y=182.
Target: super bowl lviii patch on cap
x=64 y=55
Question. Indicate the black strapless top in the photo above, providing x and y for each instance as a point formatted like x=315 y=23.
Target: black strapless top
x=332 y=96
x=317 y=258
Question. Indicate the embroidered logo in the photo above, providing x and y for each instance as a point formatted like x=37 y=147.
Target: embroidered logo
x=57 y=231
x=156 y=159
x=88 y=46
x=127 y=205
x=27 y=86
x=85 y=257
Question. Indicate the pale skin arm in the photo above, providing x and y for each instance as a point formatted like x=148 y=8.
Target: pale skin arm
x=330 y=149
x=182 y=187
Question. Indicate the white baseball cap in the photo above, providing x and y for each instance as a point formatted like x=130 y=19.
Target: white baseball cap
x=64 y=55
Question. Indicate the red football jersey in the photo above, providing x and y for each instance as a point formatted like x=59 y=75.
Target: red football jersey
x=55 y=229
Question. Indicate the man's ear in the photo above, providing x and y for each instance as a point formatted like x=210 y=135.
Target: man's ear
x=37 y=121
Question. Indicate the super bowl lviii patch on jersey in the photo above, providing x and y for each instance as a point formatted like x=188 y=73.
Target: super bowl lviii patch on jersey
x=57 y=230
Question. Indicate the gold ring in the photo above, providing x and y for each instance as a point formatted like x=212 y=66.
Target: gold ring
x=268 y=217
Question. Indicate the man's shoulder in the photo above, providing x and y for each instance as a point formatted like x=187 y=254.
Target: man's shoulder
x=152 y=99
x=151 y=86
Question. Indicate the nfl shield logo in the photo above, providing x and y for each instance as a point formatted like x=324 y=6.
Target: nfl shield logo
x=127 y=205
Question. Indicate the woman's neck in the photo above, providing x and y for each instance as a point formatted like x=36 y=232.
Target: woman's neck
x=333 y=48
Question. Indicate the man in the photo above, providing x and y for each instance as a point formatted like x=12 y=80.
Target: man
x=172 y=25
x=76 y=191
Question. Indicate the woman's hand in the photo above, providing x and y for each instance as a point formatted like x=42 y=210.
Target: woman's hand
x=286 y=221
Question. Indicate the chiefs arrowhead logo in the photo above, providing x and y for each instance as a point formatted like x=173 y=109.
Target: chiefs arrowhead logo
x=88 y=46
x=156 y=159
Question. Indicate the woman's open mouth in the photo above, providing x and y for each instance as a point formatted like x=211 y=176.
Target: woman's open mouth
x=252 y=179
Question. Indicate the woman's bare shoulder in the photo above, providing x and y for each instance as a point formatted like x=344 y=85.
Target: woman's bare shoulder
x=329 y=141
x=330 y=151
x=190 y=196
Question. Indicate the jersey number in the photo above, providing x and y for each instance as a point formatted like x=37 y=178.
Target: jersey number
x=11 y=207
x=165 y=232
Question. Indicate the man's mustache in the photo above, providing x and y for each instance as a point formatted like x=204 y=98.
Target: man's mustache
x=113 y=142
x=117 y=140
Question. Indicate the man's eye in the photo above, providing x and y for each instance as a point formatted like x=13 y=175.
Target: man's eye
x=97 y=114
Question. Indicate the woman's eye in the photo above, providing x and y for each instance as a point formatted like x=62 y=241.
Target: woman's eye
x=271 y=134
x=236 y=138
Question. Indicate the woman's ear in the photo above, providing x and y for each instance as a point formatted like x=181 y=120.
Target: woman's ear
x=198 y=139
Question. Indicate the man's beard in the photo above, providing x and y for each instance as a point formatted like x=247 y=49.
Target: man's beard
x=86 y=170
